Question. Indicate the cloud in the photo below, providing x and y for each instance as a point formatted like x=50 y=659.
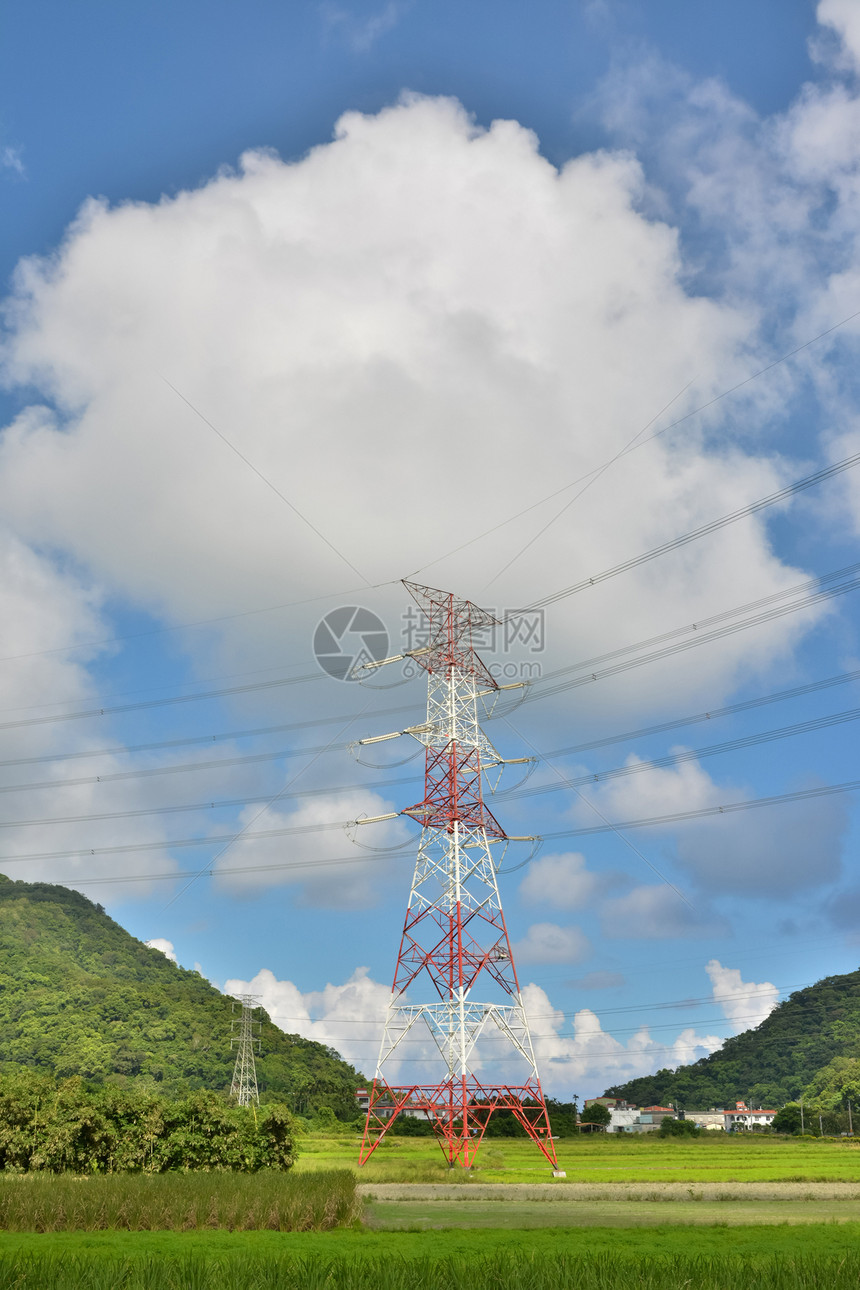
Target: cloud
x=744 y=1003
x=363 y=33
x=416 y=280
x=329 y=869
x=591 y=1058
x=761 y=853
x=49 y=618
x=347 y=1017
x=843 y=17
x=560 y=880
x=549 y=943
x=166 y=947
x=655 y=913
x=10 y=159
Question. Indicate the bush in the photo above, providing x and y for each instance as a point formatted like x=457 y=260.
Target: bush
x=679 y=1129
x=66 y=1127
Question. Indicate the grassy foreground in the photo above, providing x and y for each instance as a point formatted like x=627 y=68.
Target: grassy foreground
x=598 y=1158
x=759 y=1259
x=178 y=1202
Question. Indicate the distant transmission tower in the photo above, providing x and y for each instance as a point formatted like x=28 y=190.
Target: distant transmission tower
x=244 y=1039
x=455 y=929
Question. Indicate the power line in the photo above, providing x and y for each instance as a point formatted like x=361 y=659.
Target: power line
x=188 y=741
x=216 y=805
x=686 y=755
x=145 y=704
x=809 y=585
x=148 y=772
x=800 y=485
x=189 y=626
x=681 y=647
x=592 y=480
x=634 y=446
x=843 y=678
x=267 y=482
x=728 y=808
x=616 y=829
x=245 y=829
x=808 y=794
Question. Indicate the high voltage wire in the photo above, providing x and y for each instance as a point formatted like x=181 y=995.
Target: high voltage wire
x=595 y=476
x=826 y=790
x=634 y=446
x=799 y=588
x=188 y=626
x=537 y=692
x=217 y=805
x=728 y=808
x=219 y=736
x=267 y=481
x=148 y=772
x=689 y=754
x=671 y=759
x=707 y=1000
x=162 y=703
x=712 y=526
x=713 y=714
x=700 y=638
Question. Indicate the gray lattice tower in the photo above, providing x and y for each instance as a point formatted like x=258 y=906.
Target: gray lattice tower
x=245 y=1038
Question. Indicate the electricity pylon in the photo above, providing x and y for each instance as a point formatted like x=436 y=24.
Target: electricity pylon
x=455 y=930
x=244 y=1086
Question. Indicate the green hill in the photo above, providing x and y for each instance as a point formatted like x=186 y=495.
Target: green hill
x=770 y=1065
x=80 y=996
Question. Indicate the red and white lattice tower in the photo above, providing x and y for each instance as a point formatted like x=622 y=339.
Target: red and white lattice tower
x=455 y=930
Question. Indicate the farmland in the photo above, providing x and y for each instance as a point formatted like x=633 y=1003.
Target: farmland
x=770 y=1213
x=599 y=1159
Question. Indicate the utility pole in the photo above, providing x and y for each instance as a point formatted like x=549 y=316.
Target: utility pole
x=455 y=930
x=245 y=1037
x=802 y=1127
x=850 y=1122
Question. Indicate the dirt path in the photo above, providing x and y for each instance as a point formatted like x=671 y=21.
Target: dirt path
x=675 y=1191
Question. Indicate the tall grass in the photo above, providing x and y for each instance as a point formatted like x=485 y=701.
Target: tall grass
x=510 y=1272
x=178 y=1202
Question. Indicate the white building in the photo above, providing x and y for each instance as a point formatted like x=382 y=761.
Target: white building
x=747 y=1117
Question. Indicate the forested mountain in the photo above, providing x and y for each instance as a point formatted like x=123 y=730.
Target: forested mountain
x=770 y=1065
x=80 y=996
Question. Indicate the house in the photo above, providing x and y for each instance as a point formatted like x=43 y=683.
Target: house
x=747 y=1117
x=713 y=1120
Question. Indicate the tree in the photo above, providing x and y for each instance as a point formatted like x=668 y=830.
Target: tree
x=596 y=1113
x=671 y=1128
x=788 y=1119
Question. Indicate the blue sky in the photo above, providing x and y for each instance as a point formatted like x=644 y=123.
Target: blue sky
x=422 y=266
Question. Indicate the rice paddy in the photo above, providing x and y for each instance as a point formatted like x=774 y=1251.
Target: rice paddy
x=763 y=1213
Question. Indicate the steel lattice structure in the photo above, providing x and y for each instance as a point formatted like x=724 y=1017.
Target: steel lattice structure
x=455 y=930
x=244 y=1086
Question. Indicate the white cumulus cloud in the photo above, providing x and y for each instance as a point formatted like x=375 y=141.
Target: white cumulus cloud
x=165 y=946
x=549 y=943
x=744 y=1003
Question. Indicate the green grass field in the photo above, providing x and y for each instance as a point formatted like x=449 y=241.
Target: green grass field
x=598 y=1158
x=818 y=1257
x=775 y=1228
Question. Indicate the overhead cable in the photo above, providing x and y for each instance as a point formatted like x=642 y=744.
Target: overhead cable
x=746 y=705
x=309 y=523
x=752 y=508
x=636 y=445
x=537 y=691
